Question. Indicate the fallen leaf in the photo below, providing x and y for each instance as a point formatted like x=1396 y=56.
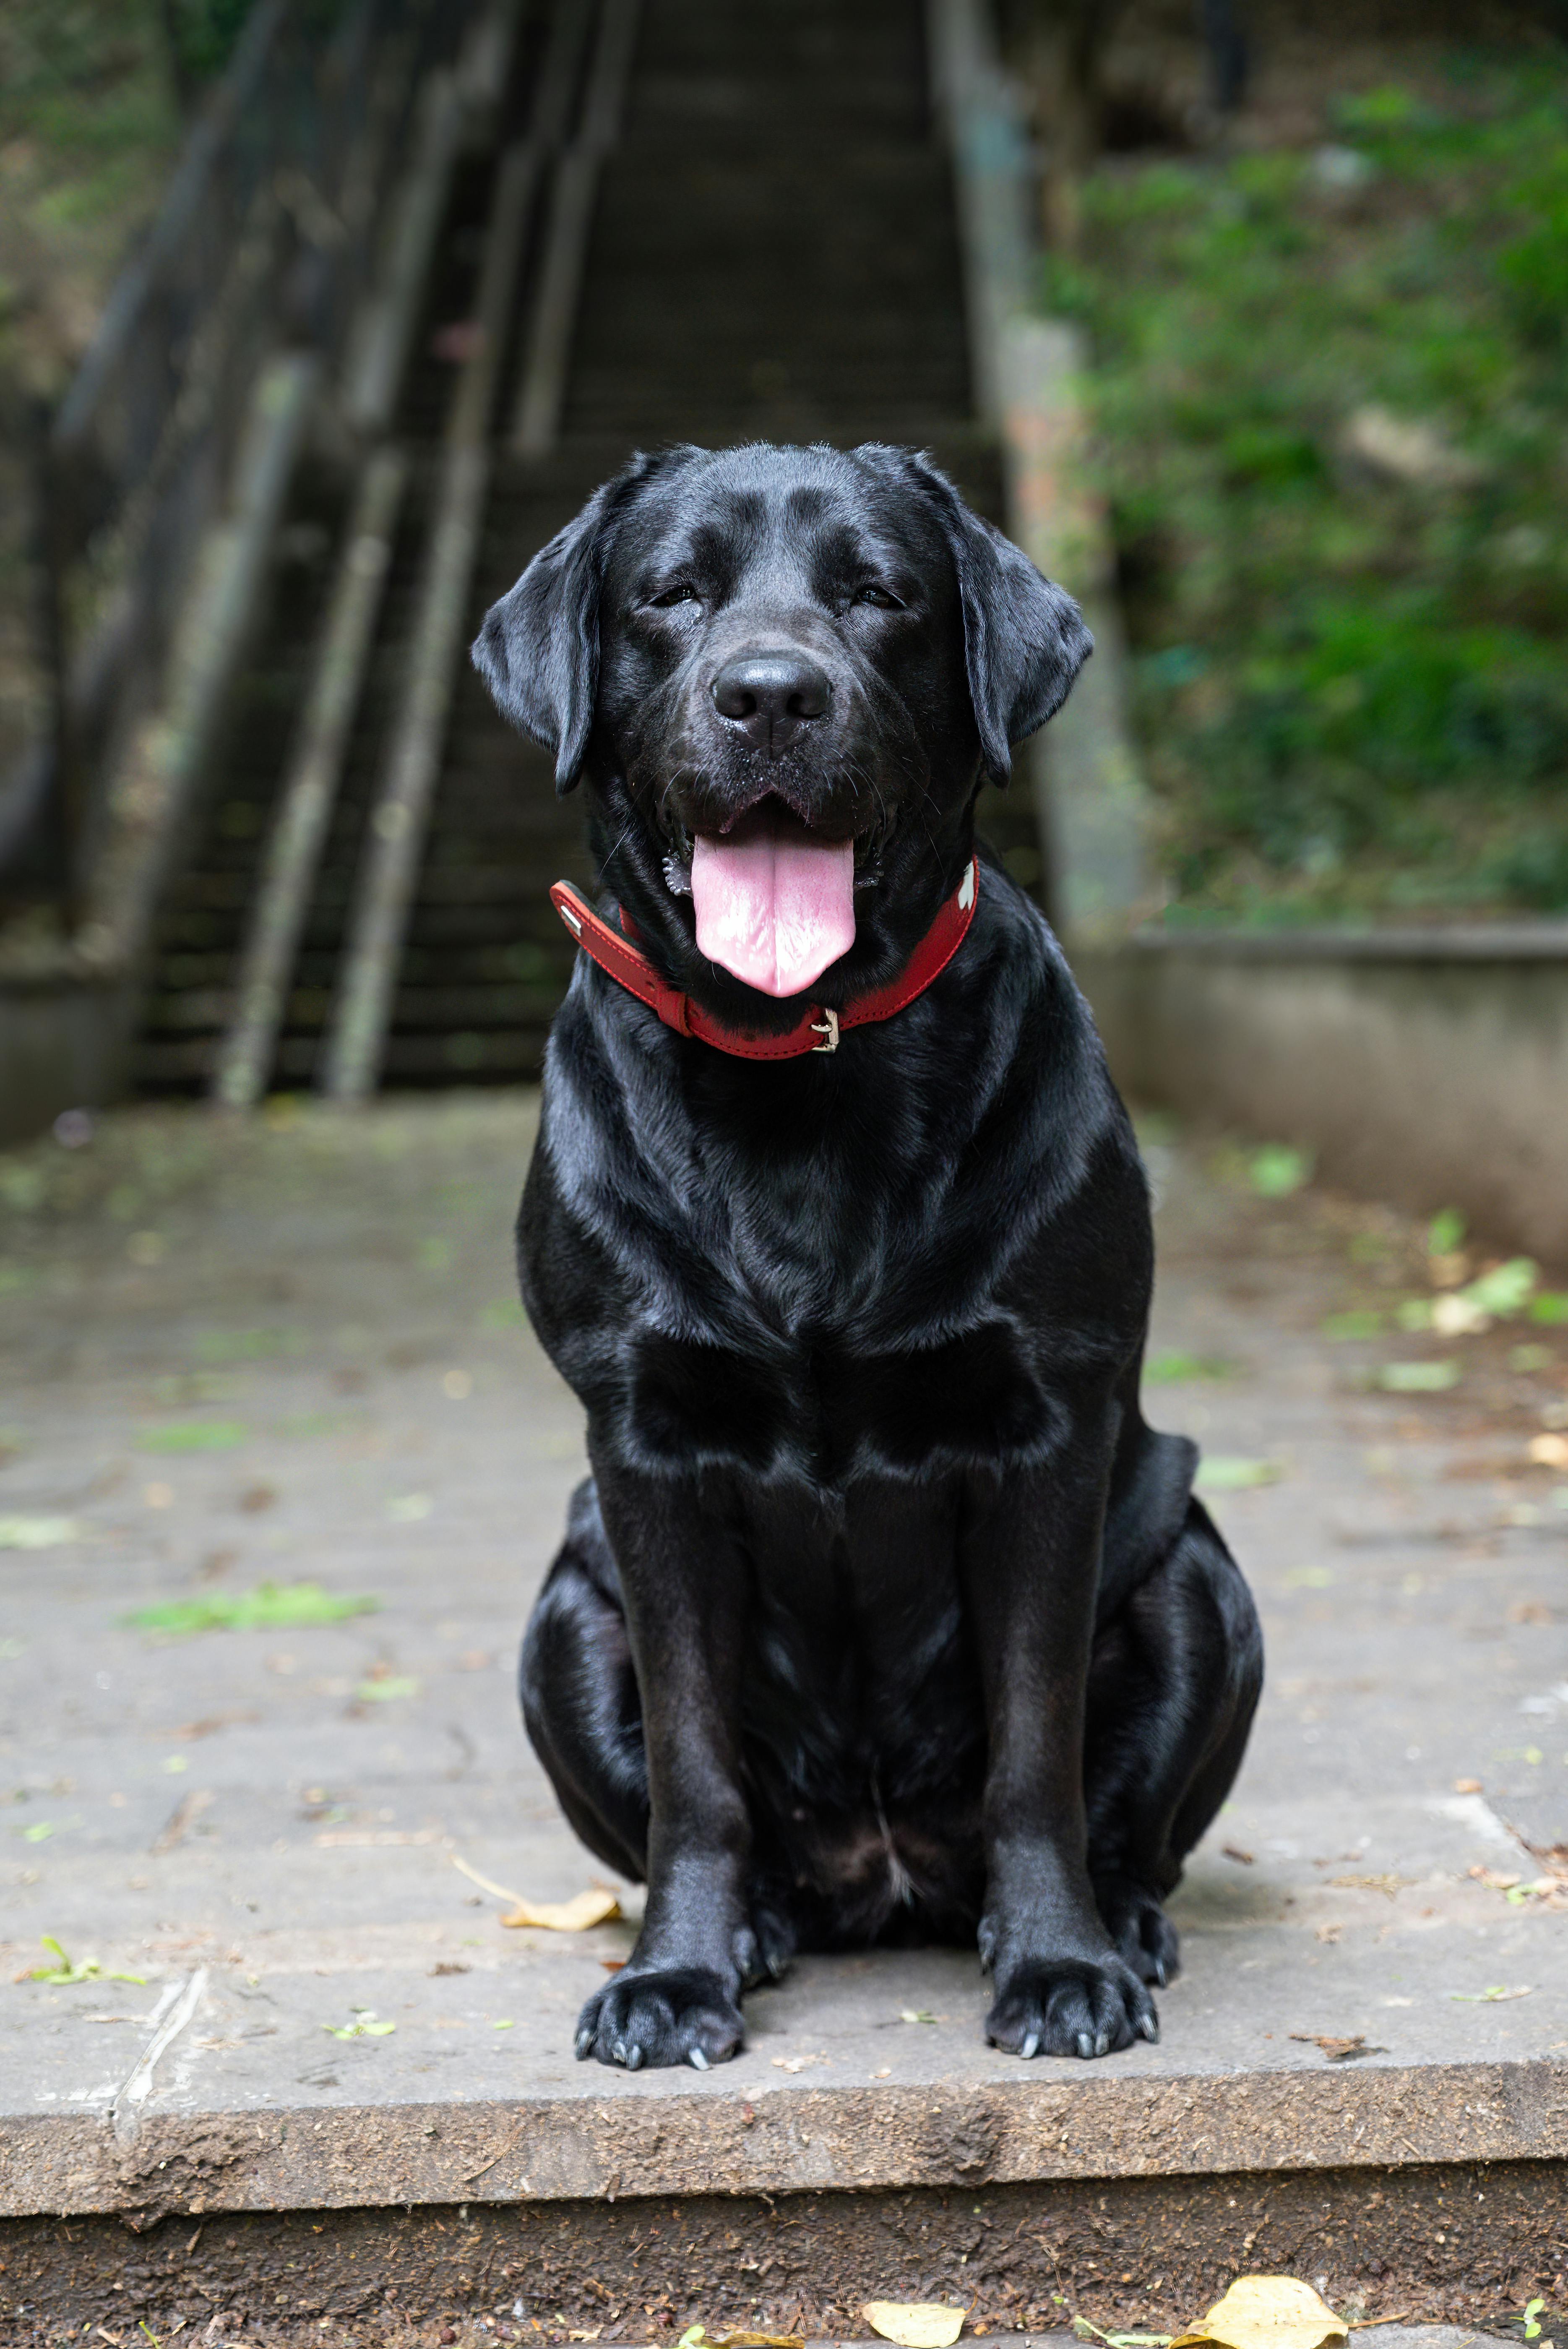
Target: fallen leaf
x=1506 y=1288
x=1459 y=1316
x=193 y=1435
x=1417 y=1378
x=1223 y=1474
x=1329 y=1933
x=1492 y=1997
x=914 y=2014
x=36 y=1533
x=1174 y=1367
x=1235 y=1851
x=1266 y=2312
x=1467 y=1787
x=914 y=2323
x=596 y=1905
x=1277 y=1170
x=574 y=1915
x=1338 y=2051
x=383 y=1691
x=1360 y=1321
x=65 y=1973
x=271 y=1607
x=367 y=2024
x=1390 y=1884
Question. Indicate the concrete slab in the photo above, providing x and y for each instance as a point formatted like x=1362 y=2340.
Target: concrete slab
x=289 y=1352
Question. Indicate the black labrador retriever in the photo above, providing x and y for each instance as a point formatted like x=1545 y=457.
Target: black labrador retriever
x=884 y=1616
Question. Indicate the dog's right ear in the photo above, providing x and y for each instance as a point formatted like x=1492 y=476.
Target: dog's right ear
x=538 y=650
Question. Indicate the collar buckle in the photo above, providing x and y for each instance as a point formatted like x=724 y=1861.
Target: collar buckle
x=827 y=1027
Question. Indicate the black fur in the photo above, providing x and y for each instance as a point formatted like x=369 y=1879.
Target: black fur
x=885 y=1615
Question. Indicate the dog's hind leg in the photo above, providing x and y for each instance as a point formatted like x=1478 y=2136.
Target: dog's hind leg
x=580 y=1697
x=1173 y=1683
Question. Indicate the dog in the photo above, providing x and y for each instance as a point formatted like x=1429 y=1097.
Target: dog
x=884 y=1617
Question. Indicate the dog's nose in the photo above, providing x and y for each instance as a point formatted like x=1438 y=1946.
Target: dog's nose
x=770 y=695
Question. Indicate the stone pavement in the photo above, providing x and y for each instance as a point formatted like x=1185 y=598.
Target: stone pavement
x=289 y=1352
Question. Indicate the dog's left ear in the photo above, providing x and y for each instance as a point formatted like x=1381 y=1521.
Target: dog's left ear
x=1024 y=637
x=538 y=650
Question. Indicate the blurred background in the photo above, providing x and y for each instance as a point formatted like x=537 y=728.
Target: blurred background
x=279 y=282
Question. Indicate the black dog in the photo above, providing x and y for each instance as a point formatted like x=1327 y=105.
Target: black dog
x=884 y=1617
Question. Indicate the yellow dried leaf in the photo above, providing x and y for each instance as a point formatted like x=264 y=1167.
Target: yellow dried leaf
x=1266 y=2312
x=574 y=1915
x=914 y=2323
x=595 y=1907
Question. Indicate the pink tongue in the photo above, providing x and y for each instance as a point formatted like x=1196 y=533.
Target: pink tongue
x=775 y=909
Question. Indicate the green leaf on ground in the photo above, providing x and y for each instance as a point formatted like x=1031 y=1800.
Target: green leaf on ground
x=272 y=1607
x=383 y=1691
x=1175 y=1368
x=193 y=1435
x=1277 y=1170
x=366 y=2024
x=409 y=1509
x=1505 y=1290
x=1221 y=1473
x=36 y=1533
x=39 y=1832
x=1414 y=1314
x=1446 y=1232
x=1360 y=1321
x=1417 y=1378
x=1551 y=1306
x=65 y=1973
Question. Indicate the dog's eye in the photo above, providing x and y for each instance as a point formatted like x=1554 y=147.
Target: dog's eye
x=668 y=597
x=882 y=597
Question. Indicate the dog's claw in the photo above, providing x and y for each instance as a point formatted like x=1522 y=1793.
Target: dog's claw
x=1102 y=2042
x=1149 y=2028
x=1031 y=2046
x=633 y=2057
x=1085 y=2046
x=585 y=2044
x=1160 y=1976
x=696 y=2059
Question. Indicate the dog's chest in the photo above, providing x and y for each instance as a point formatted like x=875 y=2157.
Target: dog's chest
x=831 y=1406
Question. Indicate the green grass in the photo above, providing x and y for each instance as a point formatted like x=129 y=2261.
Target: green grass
x=1350 y=690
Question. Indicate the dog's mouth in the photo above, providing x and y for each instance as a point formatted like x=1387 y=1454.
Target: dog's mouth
x=774 y=898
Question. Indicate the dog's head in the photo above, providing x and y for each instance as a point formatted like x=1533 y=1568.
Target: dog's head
x=785 y=672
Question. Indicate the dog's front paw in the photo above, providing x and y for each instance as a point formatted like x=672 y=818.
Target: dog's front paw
x=1069 y=2006
x=683 y=2014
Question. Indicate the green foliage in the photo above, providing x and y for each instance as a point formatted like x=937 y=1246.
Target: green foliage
x=202 y=34
x=1348 y=671
x=272 y=1607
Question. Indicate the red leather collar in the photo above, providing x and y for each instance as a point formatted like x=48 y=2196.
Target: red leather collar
x=817 y=1029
